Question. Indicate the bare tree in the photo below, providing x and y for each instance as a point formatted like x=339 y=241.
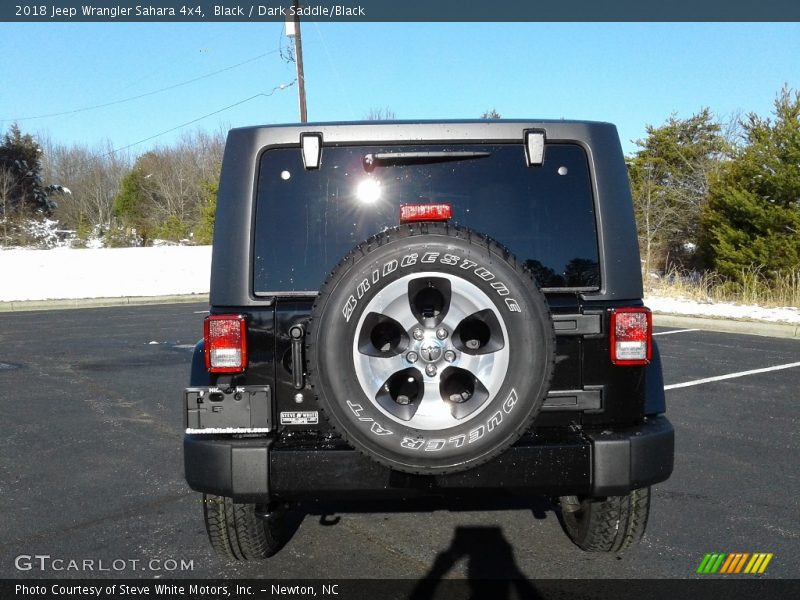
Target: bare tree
x=380 y=114
x=7 y=183
x=92 y=175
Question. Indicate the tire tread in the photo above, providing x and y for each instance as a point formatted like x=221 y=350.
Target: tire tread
x=236 y=533
x=613 y=524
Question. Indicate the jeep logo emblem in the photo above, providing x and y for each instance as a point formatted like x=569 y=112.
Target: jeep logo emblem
x=430 y=351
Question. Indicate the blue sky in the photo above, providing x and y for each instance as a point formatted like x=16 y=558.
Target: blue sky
x=631 y=74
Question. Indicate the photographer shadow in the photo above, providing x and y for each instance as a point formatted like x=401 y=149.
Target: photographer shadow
x=492 y=572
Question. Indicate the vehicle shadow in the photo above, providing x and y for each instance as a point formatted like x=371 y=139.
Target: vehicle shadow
x=492 y=571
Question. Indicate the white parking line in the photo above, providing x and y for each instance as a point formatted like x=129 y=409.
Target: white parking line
x=675 y=331
x=731 y=376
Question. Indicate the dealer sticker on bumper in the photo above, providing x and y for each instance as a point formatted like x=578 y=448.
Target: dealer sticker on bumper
x=309 y=417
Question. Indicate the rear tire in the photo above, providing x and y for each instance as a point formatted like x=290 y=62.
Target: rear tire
x=612 y=524
x=236 y=533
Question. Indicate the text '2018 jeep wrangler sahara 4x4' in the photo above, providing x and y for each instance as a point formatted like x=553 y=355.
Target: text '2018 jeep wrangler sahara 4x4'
x=446 y=310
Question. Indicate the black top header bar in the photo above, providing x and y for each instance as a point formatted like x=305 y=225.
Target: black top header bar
x=400 y=10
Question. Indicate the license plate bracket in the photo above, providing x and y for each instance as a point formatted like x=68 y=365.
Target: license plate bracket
x=213 y=410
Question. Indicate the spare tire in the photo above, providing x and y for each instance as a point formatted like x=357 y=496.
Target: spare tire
x=430 y=349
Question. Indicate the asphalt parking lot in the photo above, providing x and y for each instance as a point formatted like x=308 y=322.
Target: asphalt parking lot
x=91 y=467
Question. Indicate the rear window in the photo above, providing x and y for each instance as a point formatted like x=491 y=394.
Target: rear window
x=306 y=221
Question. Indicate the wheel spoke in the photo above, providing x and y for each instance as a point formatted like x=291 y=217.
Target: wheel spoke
x=399 y=309
x=455 y=315
x=431 y=406
x=484 y=368
x=379 y=370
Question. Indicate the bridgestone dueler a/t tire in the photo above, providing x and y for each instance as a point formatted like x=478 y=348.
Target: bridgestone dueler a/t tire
x=470 y=261
x=236 y=533
x=613 y=524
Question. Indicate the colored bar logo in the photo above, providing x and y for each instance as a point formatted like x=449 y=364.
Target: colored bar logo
x=731 y=564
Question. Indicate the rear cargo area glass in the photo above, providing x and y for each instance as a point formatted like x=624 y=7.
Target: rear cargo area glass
x=308 y=220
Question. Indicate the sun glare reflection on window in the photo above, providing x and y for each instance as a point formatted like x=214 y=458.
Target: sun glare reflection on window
x=368 y=191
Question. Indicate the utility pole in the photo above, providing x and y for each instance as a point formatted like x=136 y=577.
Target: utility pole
x=293 y=30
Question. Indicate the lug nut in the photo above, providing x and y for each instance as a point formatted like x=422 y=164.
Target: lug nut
x=418 y=334
x=298 y=398
x=412 y=357
x=430 y=370
x=449 y=355
x=441 y=333
x=459 y=398
x=403 y=399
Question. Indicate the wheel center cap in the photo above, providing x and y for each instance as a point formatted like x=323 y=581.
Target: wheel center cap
x=431 y=350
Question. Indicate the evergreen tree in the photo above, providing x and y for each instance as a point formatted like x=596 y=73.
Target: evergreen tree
x=20 y=155
x=669 y=177
x=133 y=206
x=753 y=216
x=204 y=231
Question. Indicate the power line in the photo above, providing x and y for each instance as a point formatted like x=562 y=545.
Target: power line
x=282 y=86
x=81 y=168
x=145 y=95
x=335 y=71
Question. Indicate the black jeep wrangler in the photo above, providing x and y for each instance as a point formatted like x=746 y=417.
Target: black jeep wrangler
x=438 y=310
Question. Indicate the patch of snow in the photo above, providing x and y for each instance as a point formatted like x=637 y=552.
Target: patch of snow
x=677 y=306
x=104 y=273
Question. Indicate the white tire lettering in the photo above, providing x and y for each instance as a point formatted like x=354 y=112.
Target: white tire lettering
x=349 y=307
x=434 y=445
x=450 y=259
x=411 y=443
x=476 y=433
x=429 y=257
x=500 y=288
x=508 y=405
x=376 y=275
x=496 y=419
x=356 y=408
x=378 y=430
x=484 y=273
x=362 y=288
x=457 y=440
x=513 y=305
x=467 y=264
x=389 y=267
x=408 y=260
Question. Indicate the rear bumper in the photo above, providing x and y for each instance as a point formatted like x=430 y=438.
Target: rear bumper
x=607 y=463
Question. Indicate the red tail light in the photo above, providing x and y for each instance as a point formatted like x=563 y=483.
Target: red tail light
x=631 y=336
x=425 y=212
x=226 y=343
